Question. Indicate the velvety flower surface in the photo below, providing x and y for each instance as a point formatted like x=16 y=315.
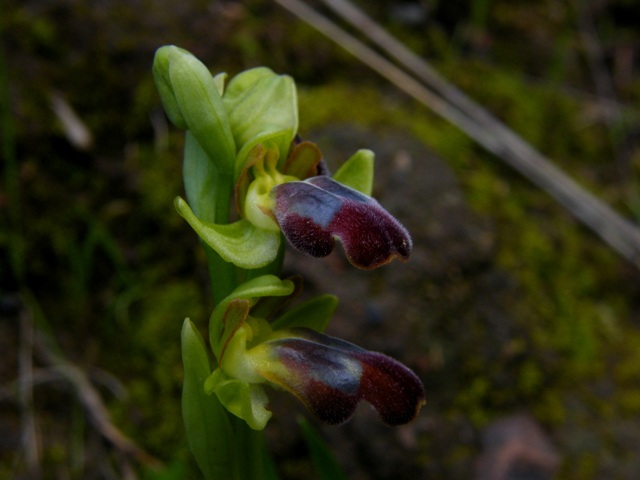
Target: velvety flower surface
x=331 y=376
x=314 y=212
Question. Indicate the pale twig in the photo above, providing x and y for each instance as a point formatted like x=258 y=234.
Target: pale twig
x=93 y=405
x=30 y=444
x=90 y=400
x=38 y=376
x=458 y=109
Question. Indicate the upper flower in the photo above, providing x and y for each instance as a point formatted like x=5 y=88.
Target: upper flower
x=313 y=213
x=242 y=137
x=330 y=376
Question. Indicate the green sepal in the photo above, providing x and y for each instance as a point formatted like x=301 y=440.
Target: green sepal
x=231 y=312
x=207 y=426
x=201 y=179
x=357 y=172
x=262 y=107
x=191 y=99
x=244 y=400
x=315 y=314
x=240 y=243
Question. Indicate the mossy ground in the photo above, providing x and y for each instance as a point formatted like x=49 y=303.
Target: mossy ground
x=93 y=248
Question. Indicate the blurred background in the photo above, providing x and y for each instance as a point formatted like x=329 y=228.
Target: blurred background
x=522 y=323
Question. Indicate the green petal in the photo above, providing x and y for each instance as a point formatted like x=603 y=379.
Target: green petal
x=357 y=172
x=245 y=401
x=239 y=243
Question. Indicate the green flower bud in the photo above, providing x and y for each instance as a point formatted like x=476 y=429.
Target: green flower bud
x=262 y=107
x=192 y=99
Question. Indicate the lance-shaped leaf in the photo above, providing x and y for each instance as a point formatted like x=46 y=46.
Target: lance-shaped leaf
x=206 y=423
x=331 y=376
x=315 y=212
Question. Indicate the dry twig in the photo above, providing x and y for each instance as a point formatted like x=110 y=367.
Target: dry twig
x=447 y=101
x=93 y=404
x=33 y=342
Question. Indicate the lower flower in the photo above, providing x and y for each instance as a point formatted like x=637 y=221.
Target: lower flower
x=330 y=376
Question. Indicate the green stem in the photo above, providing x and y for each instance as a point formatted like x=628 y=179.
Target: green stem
x=209 y=189
x=248 y=444
x=223 y=275
x=249 y=451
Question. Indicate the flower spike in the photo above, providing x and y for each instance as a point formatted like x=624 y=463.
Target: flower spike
x=314 y=212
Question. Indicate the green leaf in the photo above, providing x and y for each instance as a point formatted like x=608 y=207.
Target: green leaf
x=262 y=107
x=208 y=429
x=191 y=98
x=315 y=313
x=244 y=400
x=326 y=465
x=240 y=242
x=357 y=172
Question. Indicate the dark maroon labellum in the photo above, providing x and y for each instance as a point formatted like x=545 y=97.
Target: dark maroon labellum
x=315 y=212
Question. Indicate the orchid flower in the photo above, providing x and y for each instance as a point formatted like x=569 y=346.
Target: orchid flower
x=311 y=214
x=280 y=185
x=330 y=376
